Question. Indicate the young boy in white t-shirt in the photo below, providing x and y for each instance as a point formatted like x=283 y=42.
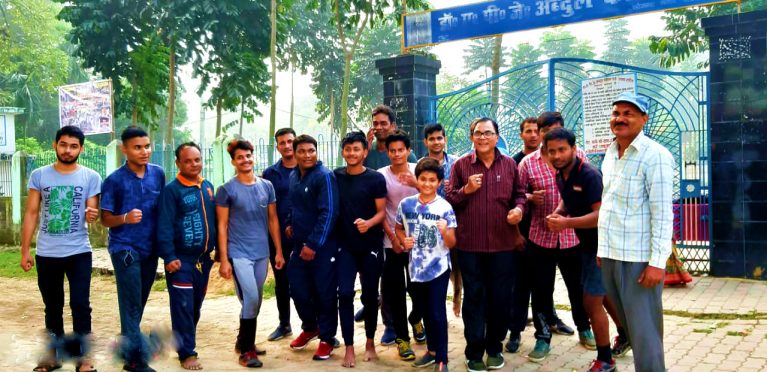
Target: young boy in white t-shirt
x=426 y=227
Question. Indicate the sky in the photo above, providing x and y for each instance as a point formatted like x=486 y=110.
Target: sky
x=450 y=54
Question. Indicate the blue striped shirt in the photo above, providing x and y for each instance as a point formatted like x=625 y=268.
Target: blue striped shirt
x=636 y=218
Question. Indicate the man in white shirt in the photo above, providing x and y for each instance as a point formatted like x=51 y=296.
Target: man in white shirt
x=635 y=227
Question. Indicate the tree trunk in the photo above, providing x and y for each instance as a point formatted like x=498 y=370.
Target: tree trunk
x=292 y=93
x=273 y=99
x=171 y=95
x=218 y=117
x=332 y=112
x=495 y=85
x=345 y=94
x=242 y=114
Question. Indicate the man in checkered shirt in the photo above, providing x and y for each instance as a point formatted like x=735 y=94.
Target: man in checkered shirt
x=635 y=222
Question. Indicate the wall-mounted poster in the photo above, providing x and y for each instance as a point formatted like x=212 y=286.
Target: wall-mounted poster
x=598 y=95
x=87 y=106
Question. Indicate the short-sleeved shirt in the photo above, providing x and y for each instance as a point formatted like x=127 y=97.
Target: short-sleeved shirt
x=248 y=230
x=124 y=191
x=395 y=192
x=579 y=192
x=429 y=257
x=63 y=231
x=279 y=176
x=359 y=193
x=447 y=165
x=379 y=159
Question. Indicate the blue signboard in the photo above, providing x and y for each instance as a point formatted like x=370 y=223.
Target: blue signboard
x=503 y=16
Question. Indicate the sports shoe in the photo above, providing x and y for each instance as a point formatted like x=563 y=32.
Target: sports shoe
x=561 y=328
x=359 y=316
x=425 y=361
x=323 y=351
x=389 y=337
x=475 y=365
x=137 y=367
x=600 y=366
x=621 y=347
x=540 y=351
x=587 y=339
x=336 y=343
x=250 y=360
x=404 y=350
x=514 y=341
x=418 y=333
x=495 y=361
x=280 y=333
x=300 y=342
x=440 y=367
x=255 y=348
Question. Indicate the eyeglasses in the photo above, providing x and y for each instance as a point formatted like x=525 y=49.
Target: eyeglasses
x=487 y=134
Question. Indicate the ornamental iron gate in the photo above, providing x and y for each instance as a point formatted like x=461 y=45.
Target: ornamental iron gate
x=678 y=113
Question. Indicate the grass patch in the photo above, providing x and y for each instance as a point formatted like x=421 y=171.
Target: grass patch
x=703 y=330
x=738 y=333
x=160 y=285
x=9 y=265
x=268 y=288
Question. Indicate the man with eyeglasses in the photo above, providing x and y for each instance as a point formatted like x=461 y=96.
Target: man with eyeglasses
x=489 y=202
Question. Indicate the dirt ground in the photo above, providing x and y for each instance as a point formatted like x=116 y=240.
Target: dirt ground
x=22 y=324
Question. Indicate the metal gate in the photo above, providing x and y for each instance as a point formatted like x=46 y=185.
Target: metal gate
x=679 y=120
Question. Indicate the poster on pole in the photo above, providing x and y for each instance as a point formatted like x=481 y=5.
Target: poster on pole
x=598 y=95
x=87 y=106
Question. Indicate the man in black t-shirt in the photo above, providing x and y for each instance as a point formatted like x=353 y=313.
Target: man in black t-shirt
x=360 y=232
x=580 y=185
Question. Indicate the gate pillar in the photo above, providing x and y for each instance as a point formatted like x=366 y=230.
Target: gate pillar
x=408 y=83
x=738 y=110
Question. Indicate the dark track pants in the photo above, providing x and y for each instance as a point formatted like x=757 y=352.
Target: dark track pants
x=314 y=288
x=186 y=289
x=50 y=281
x=395 y=283
x=281 y=285
x=369 y=264
x=432 y=295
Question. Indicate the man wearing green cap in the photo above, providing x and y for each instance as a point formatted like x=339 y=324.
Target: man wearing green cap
x=635 y=227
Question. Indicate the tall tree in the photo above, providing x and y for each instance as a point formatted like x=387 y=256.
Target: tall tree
x=524 y=53
x=618 y=44
x=687 y=36
x=560 y=43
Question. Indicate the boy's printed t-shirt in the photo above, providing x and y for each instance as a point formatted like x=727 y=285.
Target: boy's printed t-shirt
x=395 y=192
x=429 y=257
x=63 y=231
x=248 y=232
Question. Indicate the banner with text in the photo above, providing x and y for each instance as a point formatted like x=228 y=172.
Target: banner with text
x=503 y=16
x=598 y=95
x=87 y=106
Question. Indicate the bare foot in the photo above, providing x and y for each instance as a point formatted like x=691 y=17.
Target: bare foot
x=349 y=357
x=370 y=351
x=457 y=307
x=191 y=363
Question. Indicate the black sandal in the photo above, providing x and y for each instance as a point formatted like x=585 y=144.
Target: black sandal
x=47 y=366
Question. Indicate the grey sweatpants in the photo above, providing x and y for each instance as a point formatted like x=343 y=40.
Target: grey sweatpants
x=249 y=278
x=640 y=310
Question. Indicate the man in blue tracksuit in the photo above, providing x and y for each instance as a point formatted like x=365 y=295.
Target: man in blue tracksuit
x=312 y=268
x=186 y=235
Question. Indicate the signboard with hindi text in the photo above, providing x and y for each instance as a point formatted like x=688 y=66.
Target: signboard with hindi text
x=598 y=95
x=503 y=16
x=87 y=106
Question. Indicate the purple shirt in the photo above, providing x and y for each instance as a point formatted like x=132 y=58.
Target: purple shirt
x=482 y=226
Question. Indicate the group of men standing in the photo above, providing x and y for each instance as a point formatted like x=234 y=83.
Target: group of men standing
x=512 y=221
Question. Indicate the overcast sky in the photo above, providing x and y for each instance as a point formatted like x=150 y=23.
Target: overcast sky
x=450 y=54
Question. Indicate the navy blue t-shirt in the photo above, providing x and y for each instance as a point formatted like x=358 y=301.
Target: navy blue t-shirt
x=358 y=195
x=279 y=176
x=579 y=192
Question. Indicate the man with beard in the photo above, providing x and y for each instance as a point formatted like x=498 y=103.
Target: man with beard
x=580 y=185
x=68 y=196
x=360 y=235
x=129 y=200
x=384 y=123
x=186 y=236
x=279 y=175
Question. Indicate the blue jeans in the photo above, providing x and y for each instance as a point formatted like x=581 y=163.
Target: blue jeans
x=134 y=277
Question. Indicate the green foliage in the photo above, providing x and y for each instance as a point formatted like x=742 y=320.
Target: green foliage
x=9 y=265
x=30 y=145
x=478 y=56
x=687 y=37
x=618 y=45
x=559 y=43
x=524 y=53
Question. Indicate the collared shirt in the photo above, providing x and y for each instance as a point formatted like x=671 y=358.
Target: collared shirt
x=447 y=164
x=482 y=225
x=124 y=191
x=636 y=218
x=536 y=174
x=581 y=190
